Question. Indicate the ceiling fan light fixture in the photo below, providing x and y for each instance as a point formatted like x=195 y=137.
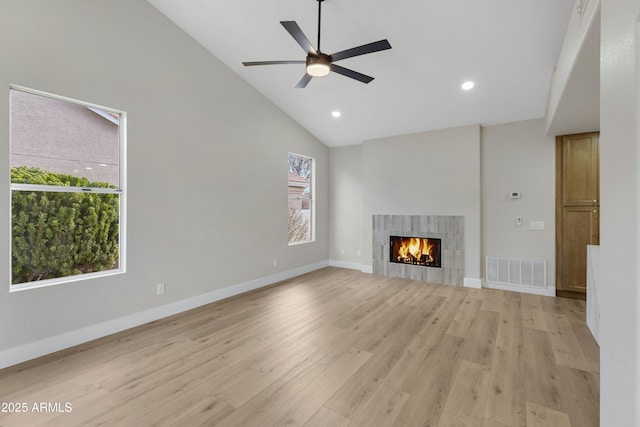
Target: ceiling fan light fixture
x=318 y=70
x=318 y=66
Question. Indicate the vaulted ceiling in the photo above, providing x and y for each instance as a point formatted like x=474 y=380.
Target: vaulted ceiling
x=508 y=48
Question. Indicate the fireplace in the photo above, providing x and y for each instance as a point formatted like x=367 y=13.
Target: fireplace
x=447 y=231
x=421 y=251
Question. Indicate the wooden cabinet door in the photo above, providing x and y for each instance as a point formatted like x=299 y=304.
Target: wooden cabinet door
x=577 y=210
x=580 y=228
x=580 y=175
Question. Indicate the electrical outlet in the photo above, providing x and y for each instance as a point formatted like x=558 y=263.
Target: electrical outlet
x=342 y=251
x=519 y=221
x=275 y=262
x=160 y=289
x=358 y=252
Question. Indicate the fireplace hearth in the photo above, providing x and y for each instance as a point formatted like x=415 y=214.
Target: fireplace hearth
x=420 y=251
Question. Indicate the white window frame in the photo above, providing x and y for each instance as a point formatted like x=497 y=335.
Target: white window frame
x=312 y=202
x=120 y=191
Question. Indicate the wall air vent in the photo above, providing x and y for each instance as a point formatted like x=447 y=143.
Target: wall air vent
x=517 y=271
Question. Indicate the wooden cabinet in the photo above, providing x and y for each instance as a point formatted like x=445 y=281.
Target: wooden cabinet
x=577 y=210
x=580 y=176
x=580 y=228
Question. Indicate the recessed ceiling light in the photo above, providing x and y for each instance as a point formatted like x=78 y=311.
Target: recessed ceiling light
x=468 y=85
x=88 y=168
x=336 y=113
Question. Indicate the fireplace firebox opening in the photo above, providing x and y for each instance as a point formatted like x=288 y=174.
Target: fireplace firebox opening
x=422 y=251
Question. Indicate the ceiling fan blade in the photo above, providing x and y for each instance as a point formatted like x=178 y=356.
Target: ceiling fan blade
x=361 y=50
x=248 y=64
x=304 y=81
x=350 y=73
x=295 y=31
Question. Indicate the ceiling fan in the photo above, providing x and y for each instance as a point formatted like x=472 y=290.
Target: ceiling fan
x=319 y=64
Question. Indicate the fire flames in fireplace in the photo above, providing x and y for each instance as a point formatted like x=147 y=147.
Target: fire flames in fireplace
x=415 y=251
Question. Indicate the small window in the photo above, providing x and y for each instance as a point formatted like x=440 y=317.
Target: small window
x=67 y=189
x=301 y=203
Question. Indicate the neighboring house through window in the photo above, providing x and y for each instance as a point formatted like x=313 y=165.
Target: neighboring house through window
x=301 y=203
x=67 y=189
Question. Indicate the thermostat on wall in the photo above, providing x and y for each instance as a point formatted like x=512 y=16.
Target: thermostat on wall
x=515 y=195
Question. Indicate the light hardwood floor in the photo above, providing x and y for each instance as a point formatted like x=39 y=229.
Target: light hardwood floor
x=331 y=348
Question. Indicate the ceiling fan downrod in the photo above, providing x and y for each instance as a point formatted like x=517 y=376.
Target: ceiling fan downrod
x=319 y=20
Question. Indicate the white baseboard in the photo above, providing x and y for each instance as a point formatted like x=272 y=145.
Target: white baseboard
x=351 y=265
x=472 y=283
x=345 y=264
x=548 y=292
x=26 y=352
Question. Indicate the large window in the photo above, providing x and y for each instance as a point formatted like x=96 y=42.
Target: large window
x=301 y=203
x=67 y=189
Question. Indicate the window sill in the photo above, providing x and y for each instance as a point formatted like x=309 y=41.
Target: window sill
x=302 y=242
x=61 y=280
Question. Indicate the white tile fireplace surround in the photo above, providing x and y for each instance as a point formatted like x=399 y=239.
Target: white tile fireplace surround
x=450 y=229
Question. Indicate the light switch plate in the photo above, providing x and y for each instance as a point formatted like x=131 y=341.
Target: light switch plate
x=536 y=225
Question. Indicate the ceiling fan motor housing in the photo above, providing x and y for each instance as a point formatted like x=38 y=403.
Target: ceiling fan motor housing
x=318 y=65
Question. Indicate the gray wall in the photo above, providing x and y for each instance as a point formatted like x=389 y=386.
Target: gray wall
x=519 y=157
x=345 y=184
x=512 y=157
x=207 y=161
x=619 y=215
x=427 y=173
